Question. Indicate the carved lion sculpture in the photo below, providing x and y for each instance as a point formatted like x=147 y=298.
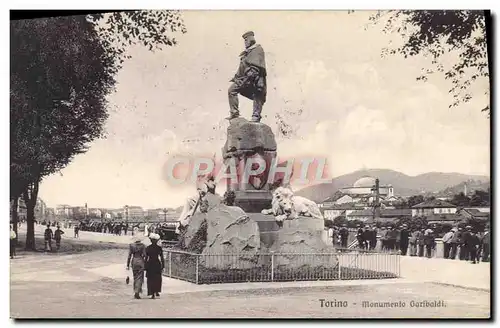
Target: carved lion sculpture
x=285 y=205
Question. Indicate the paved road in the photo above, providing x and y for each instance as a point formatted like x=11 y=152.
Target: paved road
x=421 y=269
x=92 y=285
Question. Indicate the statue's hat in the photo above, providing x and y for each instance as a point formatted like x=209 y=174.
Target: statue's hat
x=247 y=34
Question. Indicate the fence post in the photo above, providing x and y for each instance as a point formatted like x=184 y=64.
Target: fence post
x=197 y=267
x=338 y=262
x=399 y=265
x=272 y=266
x=170 y=264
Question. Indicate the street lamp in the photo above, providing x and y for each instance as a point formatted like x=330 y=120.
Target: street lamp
x=165 y=213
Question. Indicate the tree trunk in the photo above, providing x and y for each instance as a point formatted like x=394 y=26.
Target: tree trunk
x=30 y=197
x=15 y=218
x=30 y=227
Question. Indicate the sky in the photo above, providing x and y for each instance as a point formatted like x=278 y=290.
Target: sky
x=326 y=76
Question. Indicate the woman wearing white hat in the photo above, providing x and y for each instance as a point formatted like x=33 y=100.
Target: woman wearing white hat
x=137 y=258
x=154 y=266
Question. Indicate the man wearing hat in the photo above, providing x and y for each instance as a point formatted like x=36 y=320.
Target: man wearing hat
x=471 y=242
x=404 y=239
x=465 y=244
x=250 y=79
x=447 y=243
x=485 y=245
x=344 y=234
x=455 y=242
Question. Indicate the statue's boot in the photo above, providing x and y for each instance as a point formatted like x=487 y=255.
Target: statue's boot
x=232 y=116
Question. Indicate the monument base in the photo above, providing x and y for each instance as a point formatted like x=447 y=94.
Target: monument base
x=253 y=201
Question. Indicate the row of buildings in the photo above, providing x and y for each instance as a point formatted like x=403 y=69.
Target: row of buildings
x=362 y=202
x=64 y=212
x=125 y=213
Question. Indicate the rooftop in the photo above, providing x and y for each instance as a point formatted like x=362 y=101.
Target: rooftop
x=345 y=206
x=435 y=203
x=390 y=212
x=476 y=212
x=444 y=217
x=362 y=213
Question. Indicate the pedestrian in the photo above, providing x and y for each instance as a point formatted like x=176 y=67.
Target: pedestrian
x=13 y=237
x=473 y=246
x=464 y=242
x=397 y=241
x=373 y=239
x=485 y=242
x=332 y=235
x=455 y=242
x=479 y=248
x=136 y=259
x=470 y=242
x=367 y=236
x=420 y=243
x=57 y=237
x=155 y=264
x=383 y=238
x=360 y=238
x=344 y=234
x=48 y=236
x=391 y=238
x=447 y=243
x=429 y=242
x=76 y=230
x=415 y=235
x=404 y=239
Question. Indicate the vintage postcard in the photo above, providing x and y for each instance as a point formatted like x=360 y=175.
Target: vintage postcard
x=250 y=164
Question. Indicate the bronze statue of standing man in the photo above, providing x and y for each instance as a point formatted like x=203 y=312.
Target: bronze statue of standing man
x=250 y=79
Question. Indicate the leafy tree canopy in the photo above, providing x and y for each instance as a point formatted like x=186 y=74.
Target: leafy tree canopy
x=434 y=33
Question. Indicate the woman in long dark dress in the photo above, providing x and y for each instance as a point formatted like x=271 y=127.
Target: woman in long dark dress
x=154 y=266
x=137 y=258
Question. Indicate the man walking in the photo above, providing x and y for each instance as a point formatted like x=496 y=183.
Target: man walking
x=57 y=237
x=76 y=230
x=48 y=236
x=447 y=243
x=250 y=79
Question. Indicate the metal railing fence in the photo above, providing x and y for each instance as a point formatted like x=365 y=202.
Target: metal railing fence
x=264 y=267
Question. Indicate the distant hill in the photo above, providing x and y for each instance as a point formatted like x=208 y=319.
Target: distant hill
x=404 y=185
x=472 y=185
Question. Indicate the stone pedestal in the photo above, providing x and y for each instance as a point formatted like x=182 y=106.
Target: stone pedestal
x=299 y=242
x=247 y=140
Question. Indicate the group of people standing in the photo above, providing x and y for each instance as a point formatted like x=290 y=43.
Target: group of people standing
x=146 y=260
x=458 y=243
x=467 y=245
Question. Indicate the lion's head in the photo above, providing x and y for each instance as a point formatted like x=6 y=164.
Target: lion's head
x=282 y=201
